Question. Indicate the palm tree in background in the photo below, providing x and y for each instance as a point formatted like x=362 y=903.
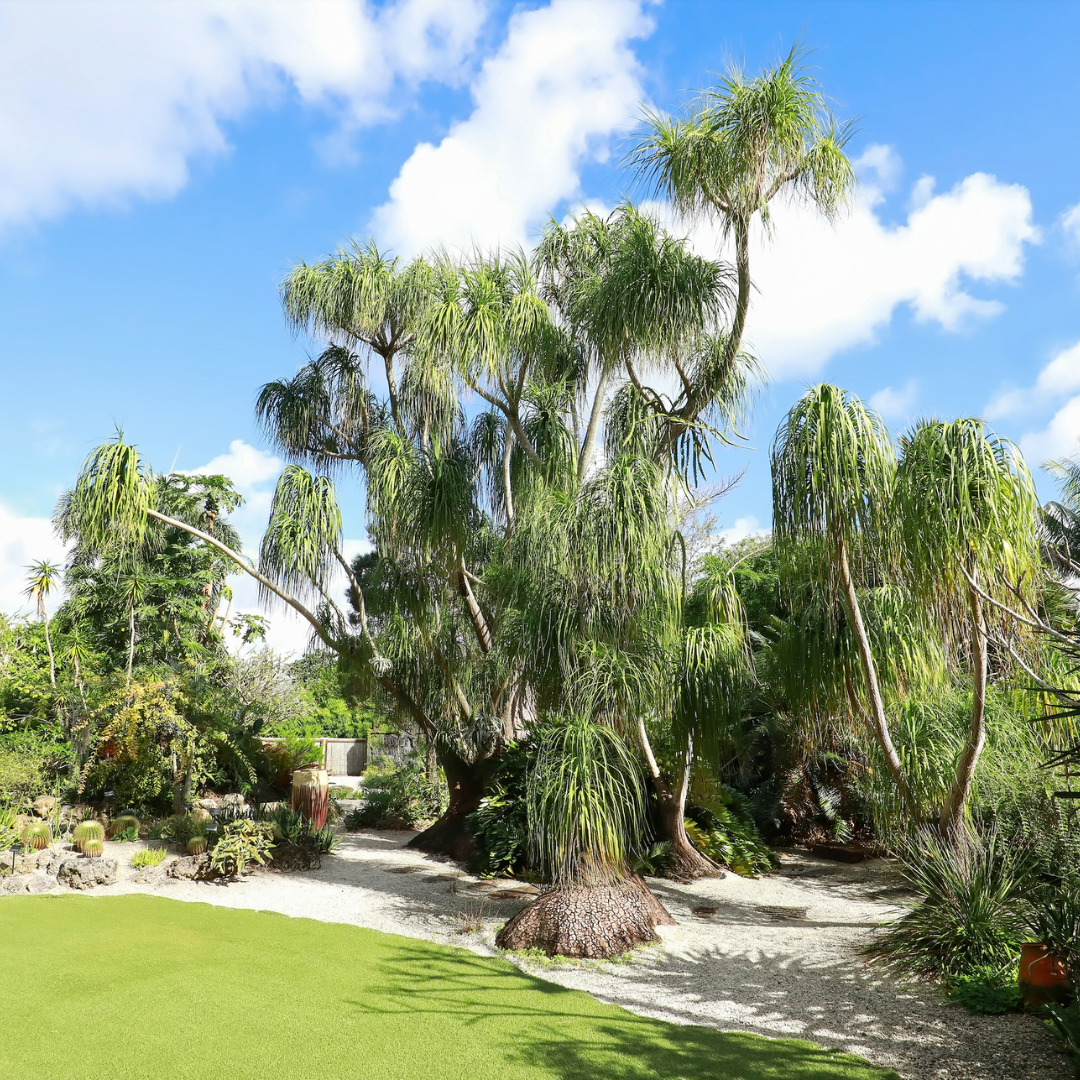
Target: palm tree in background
x=42 y=579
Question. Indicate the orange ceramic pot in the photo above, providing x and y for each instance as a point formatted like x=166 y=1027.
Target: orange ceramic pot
x=1042 y=978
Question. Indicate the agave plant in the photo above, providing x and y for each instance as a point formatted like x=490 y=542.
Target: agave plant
x=89 y=832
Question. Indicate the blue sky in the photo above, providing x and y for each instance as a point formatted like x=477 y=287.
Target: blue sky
x=162 y=165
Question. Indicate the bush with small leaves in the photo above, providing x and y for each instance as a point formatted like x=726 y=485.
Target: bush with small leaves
x=196 y=845
x=87 y=832
x=148 y=857
x=92 y=848
x=37 y=835
x=242 y=842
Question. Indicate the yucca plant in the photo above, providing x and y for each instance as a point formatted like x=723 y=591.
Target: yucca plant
x=88 y=832
x=37 y=835
x=973 y=916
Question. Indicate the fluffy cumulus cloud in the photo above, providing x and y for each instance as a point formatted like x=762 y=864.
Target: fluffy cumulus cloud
x=896 y=404
x=1056 y=393
x=111 y=100
x=545 y=104
x=822 y=288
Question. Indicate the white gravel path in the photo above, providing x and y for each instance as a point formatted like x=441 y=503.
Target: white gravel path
x=777 y=956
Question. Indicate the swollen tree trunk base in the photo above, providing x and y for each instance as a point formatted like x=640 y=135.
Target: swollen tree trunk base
x=594 y=922
x=447 y=836
x=686 y=863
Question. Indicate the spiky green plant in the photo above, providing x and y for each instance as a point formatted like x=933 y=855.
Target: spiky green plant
x=93 y=848
x=973 y=915
x=123 y=824
x=148 y=857
x=586 y=804
x=37 y=835
x=86 y=833
x=196 y=845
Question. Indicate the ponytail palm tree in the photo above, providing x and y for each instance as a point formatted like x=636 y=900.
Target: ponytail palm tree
x=41 y=580
x=833 y=471
x=969 y=517
x=746 y=143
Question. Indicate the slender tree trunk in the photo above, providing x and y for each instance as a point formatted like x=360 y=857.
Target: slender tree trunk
x=591 y=431
x=131 y=641
x=52 y=659
x=483 y=632
x=877 y=706
x=687 y=863
x=508 y=494
x=953 y=809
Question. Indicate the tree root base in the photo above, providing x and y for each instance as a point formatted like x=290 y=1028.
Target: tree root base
x=594 y=922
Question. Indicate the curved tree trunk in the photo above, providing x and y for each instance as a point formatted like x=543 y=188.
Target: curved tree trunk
x=953 y=809
x=448 y=836
x=595 y=922
x=877 y=706
x=687 y=863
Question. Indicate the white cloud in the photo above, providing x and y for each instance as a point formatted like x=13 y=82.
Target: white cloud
x=23 y=541
x=101 y=102
x=1070 y=224
x=1060 y=376
x=1060 y=438
x=545 y=105
x=823 y=288
x=743 y=527
x=896 y=404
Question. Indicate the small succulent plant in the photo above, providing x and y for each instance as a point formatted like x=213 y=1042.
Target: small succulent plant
x=148 y=857
x=196 y=845
x=123 y=824
x=92 y=848
x=37 y=835
x=87 y=832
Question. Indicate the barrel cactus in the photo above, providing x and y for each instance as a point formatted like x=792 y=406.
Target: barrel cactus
x=196 y=845
x=87 y=832
x=92 y=848
x=37 y=835
x=122 y=824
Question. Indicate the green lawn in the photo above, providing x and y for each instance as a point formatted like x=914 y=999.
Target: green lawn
x=138 y=987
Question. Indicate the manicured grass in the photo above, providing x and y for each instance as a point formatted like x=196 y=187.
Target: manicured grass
x=140 y=988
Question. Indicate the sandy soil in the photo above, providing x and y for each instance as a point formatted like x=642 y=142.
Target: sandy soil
x=776 y=956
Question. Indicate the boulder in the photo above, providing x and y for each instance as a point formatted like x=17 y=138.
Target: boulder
x=43 y=805
x=39 y=884
x=87 y=873
x=192 y=868
x=291 y=857
x=18 y=883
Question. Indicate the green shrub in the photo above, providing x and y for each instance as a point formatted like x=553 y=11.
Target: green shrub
x=286 y=757
x=180 y=828
x=1064 y=1022
x=405 y=792
x=988 y=992
x=1055 y=921
x=148 y=857
x=724 y=829
x=500 y=831
x=241 y=843
x=972 y=918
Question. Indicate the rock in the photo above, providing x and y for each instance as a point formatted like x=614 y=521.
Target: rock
x=27 y=864
x=51 y=861
x=291 y=857
x=19 y=883
x=392 y=821
x=201 y=815
x=39 y=884
x=192 y=868
x=43 y=805
x=234 y=801
x=81 y=873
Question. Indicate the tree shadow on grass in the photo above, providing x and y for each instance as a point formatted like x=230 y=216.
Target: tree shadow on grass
x=546 y=1028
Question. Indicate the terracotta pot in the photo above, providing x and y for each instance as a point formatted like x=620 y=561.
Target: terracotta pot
x=311 y=794
x=1042 y=978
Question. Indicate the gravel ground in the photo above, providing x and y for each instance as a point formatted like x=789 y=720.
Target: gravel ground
x=776 y=956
